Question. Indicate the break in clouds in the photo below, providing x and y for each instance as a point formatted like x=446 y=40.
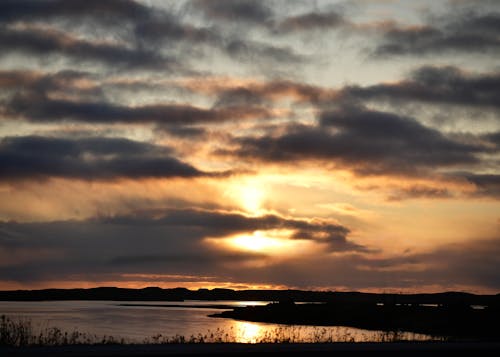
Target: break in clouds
x=325 y=127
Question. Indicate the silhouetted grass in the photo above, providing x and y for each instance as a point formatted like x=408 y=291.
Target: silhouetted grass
x=20 y=332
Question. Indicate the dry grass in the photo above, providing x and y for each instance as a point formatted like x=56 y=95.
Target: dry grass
x=20 y=332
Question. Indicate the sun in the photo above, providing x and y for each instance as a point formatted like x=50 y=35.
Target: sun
x=251 y=197
x=248 y=194
x=264 y=243
x=256 y=242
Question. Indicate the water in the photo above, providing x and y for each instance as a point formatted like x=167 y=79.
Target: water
x=135 y=323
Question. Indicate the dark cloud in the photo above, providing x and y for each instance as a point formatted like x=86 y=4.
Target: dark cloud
x=440 y=85
x=472 y=264
x=170 y=29
x=144 y=38
x=33 y=157
x=487 y=185
x=224 y=224
x=110 y=10
x=494 y=138
x=65 y=83
x=172 y=242
x=449 y=266
x=17 y=79
x=467 y=262
x=169 y=32
x=209 y=258
x=277 y=89
x=240 y=96
x=185 y=132
x=44 y=42
x=261 y=53
x=370 y=142
x=156 y=242
x=426 y=84
x=468 y=33
x=310 y=21
x=40 y=108
x=234 y=10
x=419 y=191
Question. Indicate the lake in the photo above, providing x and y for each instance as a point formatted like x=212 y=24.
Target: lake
x=135 y=323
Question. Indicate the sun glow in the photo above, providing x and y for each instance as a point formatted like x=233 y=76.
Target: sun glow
x=257 y=242
x=249 y=195
x=251 y=198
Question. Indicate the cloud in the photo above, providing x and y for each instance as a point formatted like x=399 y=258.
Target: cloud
x=162 y=241
x=439 y=85
x=237 y=44
x=487 y=185
x=428 y=84
x=170 y=29
x=208 y=258
x=310 y=21
x=65 y=83
x=40 y=108
x=468 y=33
x=43 y=42
x=185 y=132
x=29 y=10
x=367 y=141
x=140 y=41
x=261 y=53
x=419 y=191
x=234 y=10
x=172 y=242
x=468 y=265
x=97 y=251
x=494 y=138
x=17 y=79
x=97 y=158
x=278 y=89
x=224 y=224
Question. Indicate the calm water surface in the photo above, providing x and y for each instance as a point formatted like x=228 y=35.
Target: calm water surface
x=135 y=323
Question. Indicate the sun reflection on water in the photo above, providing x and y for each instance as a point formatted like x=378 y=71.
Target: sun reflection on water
x=248 y=332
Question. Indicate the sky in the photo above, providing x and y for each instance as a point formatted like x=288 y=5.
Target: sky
x=326 y=145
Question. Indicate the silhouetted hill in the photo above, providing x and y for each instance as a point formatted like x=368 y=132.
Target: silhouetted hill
x=180 y=294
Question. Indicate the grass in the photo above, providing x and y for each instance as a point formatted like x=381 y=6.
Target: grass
x=20 y=332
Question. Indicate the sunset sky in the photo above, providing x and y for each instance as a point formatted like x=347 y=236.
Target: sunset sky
x=340 y=145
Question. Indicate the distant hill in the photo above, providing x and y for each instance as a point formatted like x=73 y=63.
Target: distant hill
x=180 y=294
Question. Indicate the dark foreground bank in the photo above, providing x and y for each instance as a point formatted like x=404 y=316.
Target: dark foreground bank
x=451 y=321
x=336 y=349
